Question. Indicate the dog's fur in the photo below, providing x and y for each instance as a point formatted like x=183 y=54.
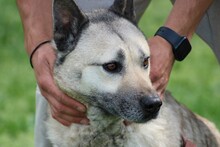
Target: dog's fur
x=102 y=61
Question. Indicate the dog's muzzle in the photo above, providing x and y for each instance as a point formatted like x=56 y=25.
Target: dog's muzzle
x=150 y=106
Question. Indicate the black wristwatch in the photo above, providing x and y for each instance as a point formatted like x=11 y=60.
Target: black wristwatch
x=180 y=44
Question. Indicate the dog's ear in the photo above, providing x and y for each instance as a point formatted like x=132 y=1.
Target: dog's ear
x=124 y=8
x=68 y=21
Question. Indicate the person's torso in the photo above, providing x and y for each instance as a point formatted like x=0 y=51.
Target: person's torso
x=88 y=5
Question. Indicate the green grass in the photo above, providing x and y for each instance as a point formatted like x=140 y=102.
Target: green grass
x=195 y=81
x=17 y=102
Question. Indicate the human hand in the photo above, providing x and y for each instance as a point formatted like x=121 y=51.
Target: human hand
x=162 y=60
x=64 y=109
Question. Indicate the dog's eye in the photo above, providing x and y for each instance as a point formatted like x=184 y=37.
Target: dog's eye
x=113 y=67
x=146 y=62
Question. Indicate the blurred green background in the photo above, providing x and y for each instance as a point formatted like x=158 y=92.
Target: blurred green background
x=195 y=82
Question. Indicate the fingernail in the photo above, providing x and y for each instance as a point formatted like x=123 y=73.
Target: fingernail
x=81 y=109
x=84 y=122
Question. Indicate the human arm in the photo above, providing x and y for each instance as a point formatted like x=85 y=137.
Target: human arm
x=183 y=19
x=36 y=16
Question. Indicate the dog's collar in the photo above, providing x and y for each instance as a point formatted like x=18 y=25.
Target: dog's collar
x=187 y=143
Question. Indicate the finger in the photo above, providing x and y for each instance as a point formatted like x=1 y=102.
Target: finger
x=51 y=91
x=67 y=101
x=156 y=73
x=157 y=85
x=160 y=86
x=161 y=94
x=154 y=76
x=44 y=75
x=161 y=90
x=82 y=119
x=66 y=123
x=50 y=88
x=63 y=122
x=70 y=102
x=69 y=119
x=60 y=108
x=65 y=108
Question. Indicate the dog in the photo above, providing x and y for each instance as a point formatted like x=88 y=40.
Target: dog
x=103 y=62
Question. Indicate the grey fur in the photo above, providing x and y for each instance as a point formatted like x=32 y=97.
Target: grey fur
x=124 y=8
x=68 y=22
x=107 y=36
x=191 y=127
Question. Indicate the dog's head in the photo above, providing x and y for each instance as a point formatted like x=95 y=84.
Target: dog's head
x=103 y=59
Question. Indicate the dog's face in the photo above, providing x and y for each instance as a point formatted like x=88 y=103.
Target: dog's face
x=103 y=60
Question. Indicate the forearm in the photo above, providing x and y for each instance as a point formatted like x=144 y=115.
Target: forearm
x=36 y=16
x=186 y=15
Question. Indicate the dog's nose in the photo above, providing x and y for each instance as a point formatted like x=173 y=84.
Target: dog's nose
x=151 y=104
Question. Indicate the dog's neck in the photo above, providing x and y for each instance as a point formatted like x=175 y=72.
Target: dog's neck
x=104 y=129
x=101 y=120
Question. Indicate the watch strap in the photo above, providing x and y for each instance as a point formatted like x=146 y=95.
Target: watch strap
x=169 y=35
x=180 y=44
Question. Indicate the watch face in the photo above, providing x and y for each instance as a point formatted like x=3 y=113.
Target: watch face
x=182 y=50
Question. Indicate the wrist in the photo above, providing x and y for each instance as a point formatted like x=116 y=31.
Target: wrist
x=160 y=49
x=187 y=32
x=36 y=49
x=166 y=44
x=42 y=56
x=34 y=37
x=180 y=44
